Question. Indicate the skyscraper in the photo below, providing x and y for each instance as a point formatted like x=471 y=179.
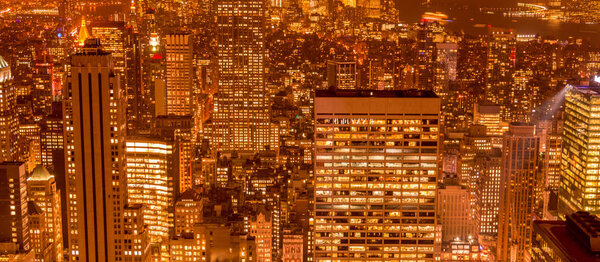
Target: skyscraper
x=375 y=174
x=487 y=192
x=454 y=212
x=8 y=121
x=13 y=205
x=179 y=74
x=579 y=172
x=500 y=67
x=94 y=154
x=426 y=56
x=42 y=191
x=151 y=182
x=119 y=39
x=51 y=139
x=517 y=192
x=446 y=65
x=241 y=112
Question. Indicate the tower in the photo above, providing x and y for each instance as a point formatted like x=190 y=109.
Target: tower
x=95 y=127
x=517 y=192
x=8 y=121
x=579 y=164
x=500 y=67
x=179 y=86
x=241 y=112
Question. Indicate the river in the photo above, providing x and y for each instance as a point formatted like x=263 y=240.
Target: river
x=466 y=17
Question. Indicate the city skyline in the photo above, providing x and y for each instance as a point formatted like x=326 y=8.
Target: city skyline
x=299 y=130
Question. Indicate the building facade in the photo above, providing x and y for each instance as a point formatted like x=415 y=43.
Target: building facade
x=94 y=154
x=241 y=118
x=375 y=174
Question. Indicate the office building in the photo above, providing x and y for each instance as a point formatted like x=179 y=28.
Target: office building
x=446 y=66
x=13 y=205
x=575 y=239
x=95 y=126
x=261 y=227
x=188 y=211
x=517 y=192
x=38 y=235
x=135 y=234
x=241 y=118
x=426 y=56
x=490 y=116
x=179 y=74
x=487 y=192
x=151 y=182
x=8 y=121
x=178 y=130
x=501 y=58
x=118 y=39
x=579 y=179
x=375 y=174
x=342 y=74
x=51 y=140
x=42 y=192
x=454 y=208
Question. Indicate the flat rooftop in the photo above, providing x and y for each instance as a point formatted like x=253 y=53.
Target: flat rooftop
x=412 y=93
x=588 y=90
x=557 y=232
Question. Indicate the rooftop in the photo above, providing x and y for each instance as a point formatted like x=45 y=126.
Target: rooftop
x=40 y=173
x=588 y=90
x=556 y=232
x=412 y=93
x=5 y=72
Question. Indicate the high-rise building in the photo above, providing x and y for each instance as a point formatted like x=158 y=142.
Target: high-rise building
x=552 y=156
x=135 y=234
x=500 y=67
x=517 y=192
x=8 y=121
x=95 y=128
x=487 y=188
x=454 y=212
x=241 y=111
x=521 y=97
x=42 y=191
x=446 y=66
x=144 y=156
x=42 y=93
x=119 y=39
x=475 y=142
x=375 y=174
x=179 y=74
x=472 y=60
x=178 y=129
x=112 y=38
x=491 y=117
x=575 y=239
x=426 y=56
x=261 y=228
x=51 y=140
x=29 y=145
x=38 y=234
x=342 y=75
x=13 y=205
x=188 y=211
x=579 y=168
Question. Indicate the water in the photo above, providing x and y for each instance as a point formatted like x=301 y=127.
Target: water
x=466 y=17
